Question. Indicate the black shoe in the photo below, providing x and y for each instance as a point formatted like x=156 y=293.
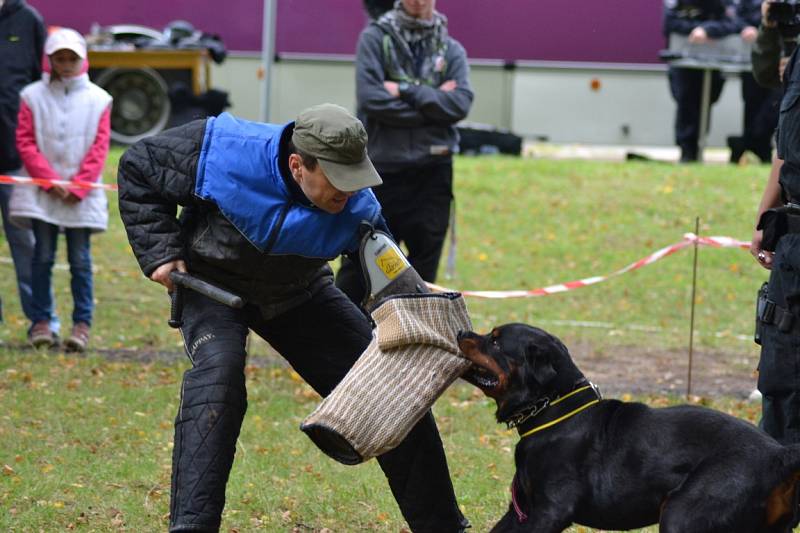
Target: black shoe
x=688 y=155
x=764 y=154
x=736 y=144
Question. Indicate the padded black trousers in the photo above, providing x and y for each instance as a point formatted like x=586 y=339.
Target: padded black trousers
x=321 y=339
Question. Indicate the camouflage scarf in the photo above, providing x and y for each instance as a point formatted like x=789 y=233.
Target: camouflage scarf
x=413 y=49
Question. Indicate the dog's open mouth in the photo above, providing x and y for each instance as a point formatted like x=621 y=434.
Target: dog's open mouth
x=484 y=372
x=482 y=378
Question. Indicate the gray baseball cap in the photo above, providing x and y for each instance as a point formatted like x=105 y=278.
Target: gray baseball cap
x=339 y=142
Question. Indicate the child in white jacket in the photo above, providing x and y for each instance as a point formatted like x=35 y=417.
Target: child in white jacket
x=63 y=134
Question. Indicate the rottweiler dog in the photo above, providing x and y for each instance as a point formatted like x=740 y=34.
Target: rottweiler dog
x=614 y=465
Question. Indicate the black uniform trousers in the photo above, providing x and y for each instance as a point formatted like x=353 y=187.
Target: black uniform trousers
x=761 y=106
x=321 y=339
x=686 y=86
x=415 y=202
x=779 y=366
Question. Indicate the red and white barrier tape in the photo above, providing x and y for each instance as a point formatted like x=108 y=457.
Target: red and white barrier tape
x=23 y=180
x=688 y=240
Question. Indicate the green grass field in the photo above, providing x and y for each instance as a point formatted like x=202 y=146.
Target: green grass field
x=85 y=442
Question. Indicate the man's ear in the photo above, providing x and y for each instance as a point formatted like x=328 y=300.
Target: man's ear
x=295 y=162
x=540 y=365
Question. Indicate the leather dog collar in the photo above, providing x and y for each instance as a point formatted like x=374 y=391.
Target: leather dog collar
x=560 y=409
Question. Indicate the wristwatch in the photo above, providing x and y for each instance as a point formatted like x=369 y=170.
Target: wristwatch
x=402 y=87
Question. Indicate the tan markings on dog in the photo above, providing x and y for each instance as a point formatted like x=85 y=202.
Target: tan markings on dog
x=469 y=347
x=779 y=502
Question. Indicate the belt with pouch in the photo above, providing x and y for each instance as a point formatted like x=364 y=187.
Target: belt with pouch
x=777 y=222
x=768 y=312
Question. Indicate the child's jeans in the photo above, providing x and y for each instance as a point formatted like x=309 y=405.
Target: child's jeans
x=80 y=267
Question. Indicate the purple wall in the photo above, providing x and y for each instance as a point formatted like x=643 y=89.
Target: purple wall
x=623 y=31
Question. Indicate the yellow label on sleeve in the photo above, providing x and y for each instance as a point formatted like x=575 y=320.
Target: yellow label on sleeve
x=390 y=263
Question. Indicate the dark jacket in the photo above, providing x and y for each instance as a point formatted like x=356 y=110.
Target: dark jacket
x=418 y=127
x=748 y=13
x=717 y=17
x=160 y=173
x=22 y=37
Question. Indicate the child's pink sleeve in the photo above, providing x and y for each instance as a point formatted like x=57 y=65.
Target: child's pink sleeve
x=34 y=161
x=94 y=160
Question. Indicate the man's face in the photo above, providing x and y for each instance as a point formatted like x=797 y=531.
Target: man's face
x=421 y=9
x=66 y=63
x=316 y=186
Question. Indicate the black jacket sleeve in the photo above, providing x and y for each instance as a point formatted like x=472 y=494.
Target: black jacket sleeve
x=40 y=34
x=155 y=176
x=748 y=13
x=766 y=57
x=682 y=17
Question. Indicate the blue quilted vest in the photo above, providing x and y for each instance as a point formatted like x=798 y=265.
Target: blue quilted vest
x=238 y=171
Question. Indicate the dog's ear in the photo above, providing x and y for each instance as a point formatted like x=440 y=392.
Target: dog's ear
x=539 y=365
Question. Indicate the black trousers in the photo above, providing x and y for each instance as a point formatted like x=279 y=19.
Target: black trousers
x=321 y=339
x=779 y=366
x=686 y=86
x=761 y=106
x=416 y=205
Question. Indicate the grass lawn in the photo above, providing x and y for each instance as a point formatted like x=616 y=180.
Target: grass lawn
x=85 y=443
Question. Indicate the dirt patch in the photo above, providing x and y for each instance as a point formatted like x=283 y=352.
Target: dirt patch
x=616 y=370
x=637 y=370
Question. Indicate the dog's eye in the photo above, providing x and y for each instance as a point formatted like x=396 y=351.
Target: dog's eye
x=495 y=343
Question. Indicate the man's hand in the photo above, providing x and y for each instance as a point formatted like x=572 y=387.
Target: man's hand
x=749 y=34
x=698 y=35
x=393 y=87
x=763 y=257
x=161 y=274
x=449 y=85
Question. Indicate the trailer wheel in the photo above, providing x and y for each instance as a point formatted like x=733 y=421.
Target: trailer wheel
x=141 y=102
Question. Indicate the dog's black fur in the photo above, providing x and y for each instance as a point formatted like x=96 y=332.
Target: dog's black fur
x=619 y=466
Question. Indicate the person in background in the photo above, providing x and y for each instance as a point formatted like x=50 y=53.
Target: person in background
x=21 y=47
x=760 y=103
x=63 y=134
x=700 y=20
x=412 y=87
x=779 y=313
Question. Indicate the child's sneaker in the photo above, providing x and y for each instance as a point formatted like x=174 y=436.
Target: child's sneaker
x=79 y=339
x=41 y=336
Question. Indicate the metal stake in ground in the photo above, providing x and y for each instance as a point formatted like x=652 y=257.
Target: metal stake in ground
x=691 y=318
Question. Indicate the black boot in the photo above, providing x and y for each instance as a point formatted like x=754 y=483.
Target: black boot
x=736 y=144
x=688 y=154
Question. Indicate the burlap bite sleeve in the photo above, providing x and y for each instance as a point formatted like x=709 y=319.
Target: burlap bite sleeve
x=412 y=359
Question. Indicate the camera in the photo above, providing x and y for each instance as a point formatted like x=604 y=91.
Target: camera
x=786 y=13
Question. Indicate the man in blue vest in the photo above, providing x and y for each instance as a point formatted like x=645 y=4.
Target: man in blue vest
x=265 y=207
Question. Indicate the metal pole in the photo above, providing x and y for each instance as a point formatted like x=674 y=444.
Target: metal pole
x=691 y=319
x=267 y=55
x=705 y=109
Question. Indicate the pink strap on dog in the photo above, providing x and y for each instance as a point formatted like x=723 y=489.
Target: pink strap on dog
x=521 y=516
